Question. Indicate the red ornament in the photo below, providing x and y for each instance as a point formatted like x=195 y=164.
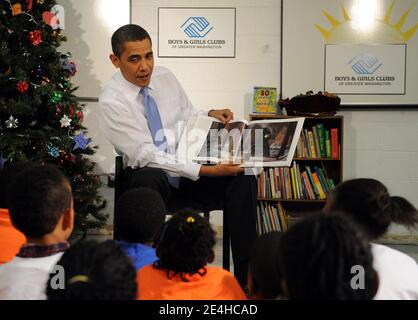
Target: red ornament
x=22 y=86
x=80 y=116
x=72 y=110
x=30 y=4
x=59 y=108
x=35 y=37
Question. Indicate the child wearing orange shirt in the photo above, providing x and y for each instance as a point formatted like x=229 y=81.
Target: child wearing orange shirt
x=184 y=249
x=11 y=239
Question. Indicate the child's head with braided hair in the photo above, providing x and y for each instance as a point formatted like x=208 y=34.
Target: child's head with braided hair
x=185 y=244
x=368 y=203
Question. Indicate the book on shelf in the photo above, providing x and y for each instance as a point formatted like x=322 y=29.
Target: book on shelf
x=260 y=143
x=295 y=183
x=317 y=143
x=321 y=139
x=334 y=143
x=270 y=217
x=265 y=100
x=328 y=143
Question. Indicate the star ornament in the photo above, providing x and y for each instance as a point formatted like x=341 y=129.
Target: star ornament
x=81 y=141
x=65 y=121
x=11 y=123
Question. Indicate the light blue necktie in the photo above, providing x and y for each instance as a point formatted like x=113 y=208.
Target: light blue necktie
x=155 y=125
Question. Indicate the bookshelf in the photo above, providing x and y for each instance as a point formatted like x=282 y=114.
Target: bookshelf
x=287 y=194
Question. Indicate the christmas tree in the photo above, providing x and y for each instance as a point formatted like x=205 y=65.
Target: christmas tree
x=40 y=117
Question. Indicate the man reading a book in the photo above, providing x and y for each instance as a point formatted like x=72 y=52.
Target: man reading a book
x=141 y=112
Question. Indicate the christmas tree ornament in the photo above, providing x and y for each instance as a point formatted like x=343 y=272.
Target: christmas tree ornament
x=59 y=108
x=56 y=97
x=80 y=116
x=11 y=123
x=55 y=18
x=2 y=161
x=16 y=9
x=69 y=67
x=35 y=37
x=41 y=2
x=72 y=110
x=53 y=151
x=65 y=121
x=30 y=4
x=45 y=81
x=22 y=86
x=81 y=141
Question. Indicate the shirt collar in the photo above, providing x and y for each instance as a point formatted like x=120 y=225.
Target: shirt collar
x=31 y=250
x=133 y=88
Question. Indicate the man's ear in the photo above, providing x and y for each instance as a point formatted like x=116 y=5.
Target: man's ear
x=115 y=60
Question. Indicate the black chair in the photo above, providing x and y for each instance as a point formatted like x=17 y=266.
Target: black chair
x=173 y=206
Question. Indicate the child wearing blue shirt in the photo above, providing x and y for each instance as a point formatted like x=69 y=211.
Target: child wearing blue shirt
x=141 y=213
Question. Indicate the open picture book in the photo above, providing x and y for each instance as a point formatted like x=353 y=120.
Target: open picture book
x=260 y=143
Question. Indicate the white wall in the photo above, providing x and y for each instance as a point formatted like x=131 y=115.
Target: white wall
x=88 y=27
x=383 y=145
x=219 y=82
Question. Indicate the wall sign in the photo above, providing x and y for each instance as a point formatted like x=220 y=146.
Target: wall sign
x=196 y=32
x=365 y=69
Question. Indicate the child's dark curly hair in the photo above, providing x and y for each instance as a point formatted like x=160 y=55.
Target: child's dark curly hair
x=317 y=256
x=185 y=244
x=95 y=271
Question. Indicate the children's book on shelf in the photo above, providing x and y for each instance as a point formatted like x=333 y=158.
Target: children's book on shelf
x=318 y=142
x=260 y=143
x=265 y=100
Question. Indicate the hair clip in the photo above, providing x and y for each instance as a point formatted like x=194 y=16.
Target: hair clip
x=190 y=220
x=78 y=278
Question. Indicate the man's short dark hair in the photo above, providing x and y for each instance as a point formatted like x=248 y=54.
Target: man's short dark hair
x=38 y=197
x=141 y=213
x=95 y=271
x=129 y=32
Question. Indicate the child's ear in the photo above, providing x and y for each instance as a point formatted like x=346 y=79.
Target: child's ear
x=211 y=256
x=68 y=219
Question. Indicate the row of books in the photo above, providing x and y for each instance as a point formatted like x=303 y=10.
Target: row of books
x=318 y=143
x=270 y=217
x=294 y=183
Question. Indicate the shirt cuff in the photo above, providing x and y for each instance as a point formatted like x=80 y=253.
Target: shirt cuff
x=191 y=171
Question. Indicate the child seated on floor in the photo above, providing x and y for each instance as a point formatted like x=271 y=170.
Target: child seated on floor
x=264 y=281
x=11 y=239
x=324 y=257
x=140 y=215
x=93 y=271
x=368 y=203
x=184 y=249
x=41 y=207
